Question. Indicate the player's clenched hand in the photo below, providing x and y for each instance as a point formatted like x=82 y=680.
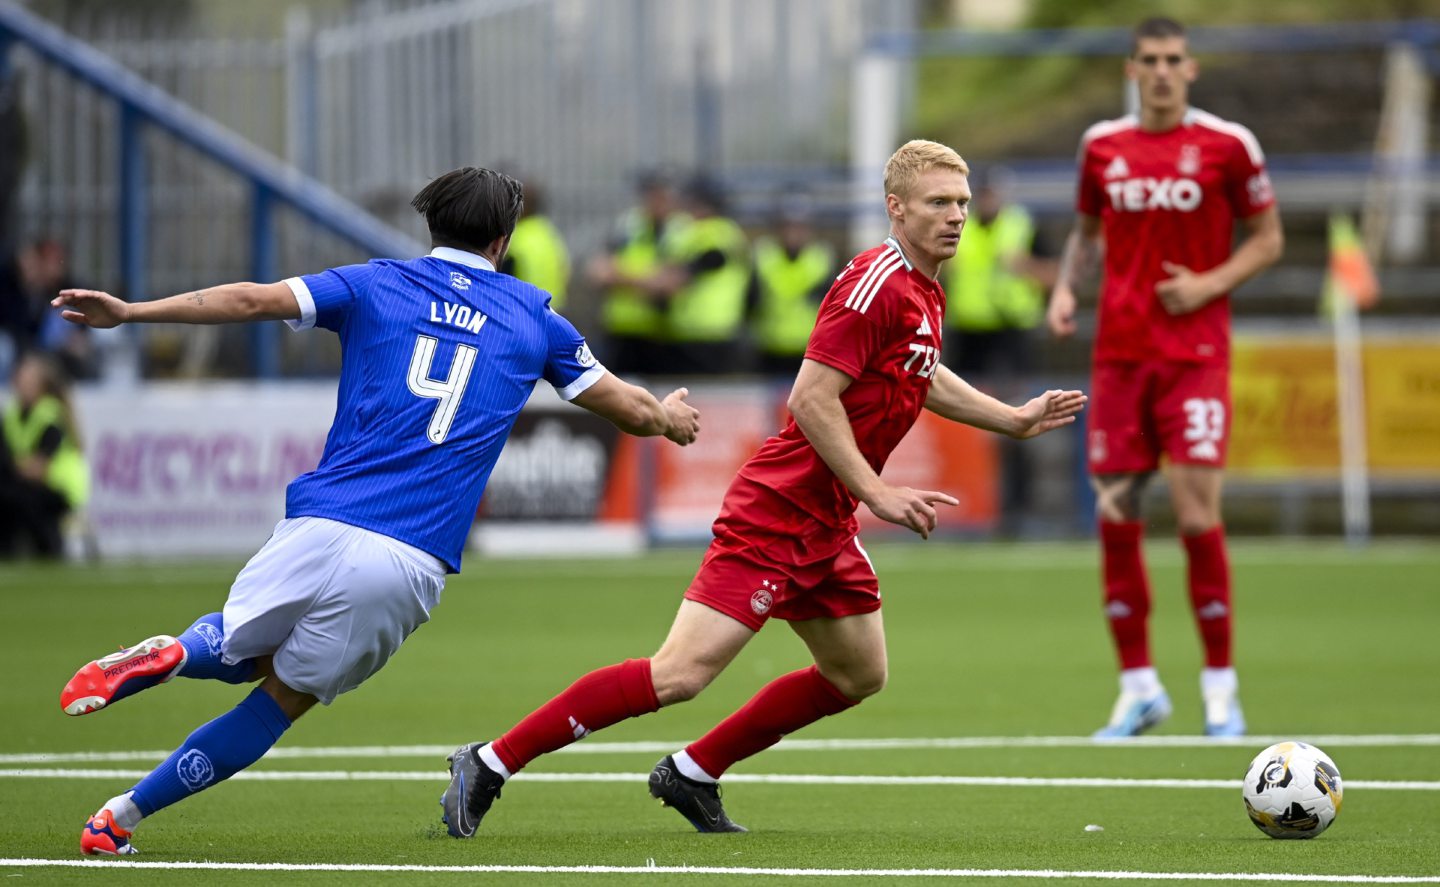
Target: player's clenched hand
x=1047 y=412
x=909 y=508
x=1060 y=316
x=91 y=308
x=1184 y=291
x=684 y=419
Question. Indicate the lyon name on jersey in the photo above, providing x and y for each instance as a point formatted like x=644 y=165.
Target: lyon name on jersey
x=438 y=355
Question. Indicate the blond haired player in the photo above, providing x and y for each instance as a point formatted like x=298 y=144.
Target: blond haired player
x=786 y=542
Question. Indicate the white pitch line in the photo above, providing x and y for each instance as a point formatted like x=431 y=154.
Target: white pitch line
x=1379 y=740
x=1040 y=874
x=731 y=779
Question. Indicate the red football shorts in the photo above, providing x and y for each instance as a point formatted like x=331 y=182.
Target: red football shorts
x=1139 y=410
x=769 y=560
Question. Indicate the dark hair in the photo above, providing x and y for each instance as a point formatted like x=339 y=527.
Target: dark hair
x=707 y=192
x=655 y=178
x=470 y=208
x=1157 y=26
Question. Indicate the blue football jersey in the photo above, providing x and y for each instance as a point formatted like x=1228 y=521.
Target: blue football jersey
x=438 y=355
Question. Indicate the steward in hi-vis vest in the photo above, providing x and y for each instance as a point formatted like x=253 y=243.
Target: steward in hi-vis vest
x=538 y=256
x=43 y=475
x=630 y=310
x=793 y=270
x=707 y=277
x=995 y=286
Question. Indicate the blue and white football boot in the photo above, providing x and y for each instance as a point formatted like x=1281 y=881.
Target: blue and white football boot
x=1223 y=717
x=1134 y=714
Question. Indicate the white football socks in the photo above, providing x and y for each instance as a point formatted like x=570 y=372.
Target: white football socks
x=1218 y=680
x=492 y=760
x=1142 y=682
x=123 y=812
x=689 y=769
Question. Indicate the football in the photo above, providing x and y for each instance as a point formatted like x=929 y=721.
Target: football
x=1292 y=790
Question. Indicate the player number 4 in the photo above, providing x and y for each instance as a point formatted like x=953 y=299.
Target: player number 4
x=449 y=392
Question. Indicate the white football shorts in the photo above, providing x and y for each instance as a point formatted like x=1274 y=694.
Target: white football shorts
x=331 y=602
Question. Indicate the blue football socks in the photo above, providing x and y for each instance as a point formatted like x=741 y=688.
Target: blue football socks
x=214 y=752
x=202 y=644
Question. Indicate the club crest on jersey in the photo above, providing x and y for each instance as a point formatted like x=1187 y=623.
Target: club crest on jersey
x=1189 y=162
x=1142 y=195
x=459 y=281
x=1118 y=169
x=764 y=597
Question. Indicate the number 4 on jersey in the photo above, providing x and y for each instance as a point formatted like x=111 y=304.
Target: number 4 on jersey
x=449 y=392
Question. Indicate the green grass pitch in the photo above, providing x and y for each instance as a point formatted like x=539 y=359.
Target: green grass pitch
x=985 y=641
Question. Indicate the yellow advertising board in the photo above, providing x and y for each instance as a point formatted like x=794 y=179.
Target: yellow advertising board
x=1285 y=408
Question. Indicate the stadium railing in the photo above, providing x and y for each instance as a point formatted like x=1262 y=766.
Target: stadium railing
x=271 y=182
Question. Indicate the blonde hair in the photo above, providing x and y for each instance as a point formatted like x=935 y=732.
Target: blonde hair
x=917 y=156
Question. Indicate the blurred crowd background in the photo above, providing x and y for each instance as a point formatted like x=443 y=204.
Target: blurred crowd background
x=695 y=172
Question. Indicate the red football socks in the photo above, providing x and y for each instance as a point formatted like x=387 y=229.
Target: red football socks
x=1209 y=570
x=603 y=697
x=1127 y=591
x=782 y=706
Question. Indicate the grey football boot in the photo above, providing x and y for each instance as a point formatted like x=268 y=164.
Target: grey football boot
x=473 y=788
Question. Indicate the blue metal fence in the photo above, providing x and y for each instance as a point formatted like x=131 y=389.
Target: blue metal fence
x=143 y=106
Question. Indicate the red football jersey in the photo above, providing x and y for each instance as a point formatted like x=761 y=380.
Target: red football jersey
x=1167 y=197
x=880 y=325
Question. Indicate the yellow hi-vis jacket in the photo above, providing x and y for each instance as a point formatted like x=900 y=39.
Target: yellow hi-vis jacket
x=982 y=293
x=711 y=307
x=540 y=257
x=786 y=311
x=626 y=311
x=68 y=474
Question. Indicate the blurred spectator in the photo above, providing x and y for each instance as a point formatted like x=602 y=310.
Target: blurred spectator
x=43 y=476
x=630 y=315
x=39 y=273
x=703 y=284
x=537 y=253
x=793 y=270
x=995 y=297
x=995 y=286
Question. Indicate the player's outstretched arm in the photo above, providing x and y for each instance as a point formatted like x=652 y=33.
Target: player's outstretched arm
x=636 y=411
x=228 y=303
x=815 y=404
x=959 y=401
x=1080 y=257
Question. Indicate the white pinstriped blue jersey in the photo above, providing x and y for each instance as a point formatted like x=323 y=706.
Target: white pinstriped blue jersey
x=438 y=355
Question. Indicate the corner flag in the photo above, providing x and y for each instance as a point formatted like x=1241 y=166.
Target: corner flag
x=1349 y=274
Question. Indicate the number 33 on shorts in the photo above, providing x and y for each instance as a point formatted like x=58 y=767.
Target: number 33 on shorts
x=1204 y=428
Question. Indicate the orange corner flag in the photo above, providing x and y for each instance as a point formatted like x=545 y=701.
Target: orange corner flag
x=1350 y=274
